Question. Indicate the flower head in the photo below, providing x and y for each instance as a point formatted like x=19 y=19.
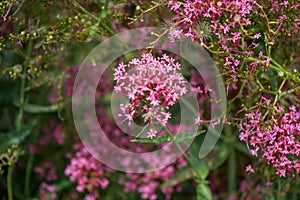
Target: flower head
x=276 y=139
x=152 y=85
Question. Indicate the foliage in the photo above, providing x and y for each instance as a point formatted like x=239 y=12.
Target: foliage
x=254 y=44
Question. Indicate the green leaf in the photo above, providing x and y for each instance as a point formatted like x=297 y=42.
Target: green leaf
x=180 y=137
x=200 y=165
x=163 y=138
x=15 y=137
x=273 y=78
x=242 y=147
x=284 y=102
x=93 y=31
x=94 y=28
x=221 y=157
x=203 y=192
x=31 y=108
x=183 y=174
x=36 y=109
x=103 y=14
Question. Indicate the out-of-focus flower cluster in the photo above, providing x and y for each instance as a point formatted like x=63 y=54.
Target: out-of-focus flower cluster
x=148 y=183
x=87 y=172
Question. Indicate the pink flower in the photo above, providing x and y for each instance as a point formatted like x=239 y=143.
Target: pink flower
x=285 y=3
x=175 y=34
x=46 y=190
x=257 y=36
x=148 y=183
x=87 y=172
x=275 y=139
x=249 y=169
x=152 y=85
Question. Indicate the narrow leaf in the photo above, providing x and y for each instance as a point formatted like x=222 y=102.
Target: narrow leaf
x=221 y=157
x=241 y=147
x=273 y=78
x=93 y=30
x=183 y=174
x=15 y=137
x=36 y=109
x=200 y=165
x=180 y=137
x=31 y=108
x=157 y=139
x=203 y=192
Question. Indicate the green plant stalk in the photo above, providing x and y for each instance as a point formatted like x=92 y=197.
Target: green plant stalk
x=22 y=88
x=182 y=151
x=9 y=182
x=277 y=67
x=278 y=191
x=230 y=138
x=190 y=107
x=76 y=4
x=231 y=171
x=19 y=117
x=28 y=172
x=105 y=26
x=28 y=176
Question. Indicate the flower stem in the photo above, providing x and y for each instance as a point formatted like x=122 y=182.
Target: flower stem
x=232 y=171
x=29 y=167
x=180 y=149
x=28 y=175
x=20 y=114
x=76 y=4
x=9 y=182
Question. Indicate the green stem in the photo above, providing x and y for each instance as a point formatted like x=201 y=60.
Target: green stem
x=22 y=88
x=21 y=112
x=29 y=167
x=76 y=4
x=232 y=171
x=231 y=179
x=105 y=26
x=21 y=102
x=9 y=182
x=190 y=107
x=28 y=175
x=278 y=192
x=181 y=150
x=275 y=67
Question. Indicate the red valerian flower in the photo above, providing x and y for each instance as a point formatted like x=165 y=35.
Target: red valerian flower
x=152 y=85
x=275 y=139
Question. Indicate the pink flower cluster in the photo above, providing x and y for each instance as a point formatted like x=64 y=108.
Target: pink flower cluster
x=47 y=191
x=228 y=29
x=152 y=86
x=192 y=14
x=52 y=133
x=146 y=184
x=87 y=172
x=275 y=139
x=46 y=170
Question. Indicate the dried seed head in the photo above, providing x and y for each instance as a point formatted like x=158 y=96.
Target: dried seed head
x=203 y=31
